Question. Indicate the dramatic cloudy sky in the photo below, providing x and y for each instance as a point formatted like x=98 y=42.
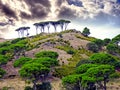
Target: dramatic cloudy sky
x=102 y=17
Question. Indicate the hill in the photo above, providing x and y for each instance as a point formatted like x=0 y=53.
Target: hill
x=71 y=46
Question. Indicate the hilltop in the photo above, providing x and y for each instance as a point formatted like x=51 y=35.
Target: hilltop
x=71 y=46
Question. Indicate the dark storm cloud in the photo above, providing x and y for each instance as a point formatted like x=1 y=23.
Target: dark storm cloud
x=38 y=8
x=67 y=13
x=32 y=3
x=7 y=10
x=25 y=15
x=39 y=12
x=59 y=2
x=75 y=2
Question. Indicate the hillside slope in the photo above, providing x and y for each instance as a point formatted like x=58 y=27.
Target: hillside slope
x=71 y=47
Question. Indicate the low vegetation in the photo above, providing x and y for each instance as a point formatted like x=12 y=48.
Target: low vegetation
x=89 y=67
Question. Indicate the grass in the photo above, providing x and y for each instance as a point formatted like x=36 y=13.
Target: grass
x=85 y=38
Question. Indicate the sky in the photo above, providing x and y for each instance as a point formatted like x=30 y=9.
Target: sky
x=102 y=17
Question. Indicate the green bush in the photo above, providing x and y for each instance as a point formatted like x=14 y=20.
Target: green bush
x=99 y=43
x=112 y=49
x=92 y=47
x=3 y=59
x=84 y=67
x=17 y=40
x=21 y=61
x=2 y=72
x=63 y=71
x=46 y=61
x=71 y=51
x=4 y=50
x=44 y=86
x=106 y=41
x=5 y=44
x=83 y=61
x=28 y=88
x=115 y=75
x=50 y=54
x=103 y=58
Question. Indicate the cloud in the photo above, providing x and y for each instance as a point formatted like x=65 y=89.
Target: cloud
x=7 y=10
x=38 y=8
x=91 y=11
x=59 y=2
x=75 y=2
x=97 y=12
x=66 y=12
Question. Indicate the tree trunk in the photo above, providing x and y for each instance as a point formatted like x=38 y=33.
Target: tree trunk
x=105 y=88
x=36 y=30
x=18 y=34
x=34 y=85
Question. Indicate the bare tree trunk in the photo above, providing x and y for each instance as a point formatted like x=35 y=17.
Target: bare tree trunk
x=36 y=30
x=66 y=26
x=34 y=85
x=105 y=88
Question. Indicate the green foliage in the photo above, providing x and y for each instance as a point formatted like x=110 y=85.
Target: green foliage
x=112 y=49
x=88 y=74
x=71 y=51
x=33 y=69
x=28 y=88
x=86 y=31
x=50 y=54
x=46 y=61
x=86 y=38
x=83 y=61
x=44 y=86
x=84 y=67
x=5 y=44
x=63 y=71
x=116 y=39
x=66 y=48
x=103 y=58
x=99 y=43
x=100 y=71
x=2 y=73
x=71 y=79
x=3 y=59
x=21 y=61
x=86 y=80
x=17 y=47
x=4 y=50
x=92 y=47
x=17 y=40
x=115 y=75
x=106 y=41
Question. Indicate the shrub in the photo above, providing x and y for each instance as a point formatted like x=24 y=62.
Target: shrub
x=92 y=47
x=115 y=75
x=99 y=43
x=21 y=61
x=4 y=50
x=70 y=51
x=28 y=88
x=3 y=59
x=17 y=40
x=84 y=67
x=86 y=31
x=2 y=72
x=106 y=41
x=63 y=71
x=50 y=54
x=84 y=61
x=46 y=61
x=103 y=58
x=112 y=48
x=44 y=86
